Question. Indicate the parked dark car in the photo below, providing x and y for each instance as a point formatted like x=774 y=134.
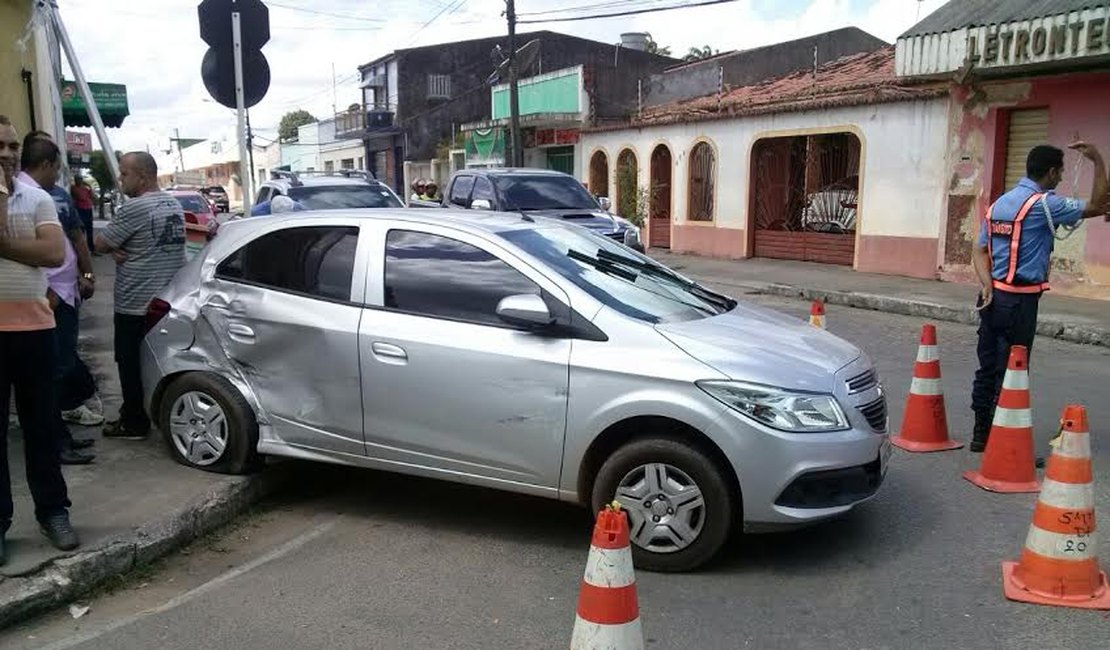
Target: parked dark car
x=541 y=193
x=218 y=197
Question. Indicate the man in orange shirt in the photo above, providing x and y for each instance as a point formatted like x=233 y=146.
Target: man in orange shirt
x=31 y=239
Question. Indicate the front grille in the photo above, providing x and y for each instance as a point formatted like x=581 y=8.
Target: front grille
x=863 y=382
x=618 y=235
x=875 y=412
x=833 y=488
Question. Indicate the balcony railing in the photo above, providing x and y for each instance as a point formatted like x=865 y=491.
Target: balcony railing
x=353 y=124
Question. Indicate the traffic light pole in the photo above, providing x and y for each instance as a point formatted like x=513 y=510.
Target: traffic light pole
x=244 y=164
x=514 y=96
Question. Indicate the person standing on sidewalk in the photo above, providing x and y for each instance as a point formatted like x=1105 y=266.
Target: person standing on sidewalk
x=1011 y=259
x=147 y=239
x=41 y=161
x=30 y=239
x=83 y=199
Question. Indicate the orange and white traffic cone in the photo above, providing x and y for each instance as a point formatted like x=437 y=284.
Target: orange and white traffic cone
x=1059 y=565
x=608 y=609
x=1008 y=462
x=817 y=314
x=925 y=424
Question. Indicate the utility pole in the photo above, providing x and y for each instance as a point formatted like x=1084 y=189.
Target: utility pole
x=514 y=97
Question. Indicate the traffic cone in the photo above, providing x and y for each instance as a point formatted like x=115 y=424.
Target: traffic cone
x=1008 y=463
x=608 y=611
x=1059 y=565
x=817 y=314
x=925 y=424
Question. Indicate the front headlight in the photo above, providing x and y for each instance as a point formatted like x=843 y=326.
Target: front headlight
x=779 y=408
x=632 y=237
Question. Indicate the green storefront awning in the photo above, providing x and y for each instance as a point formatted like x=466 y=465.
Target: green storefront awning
x=111 y=99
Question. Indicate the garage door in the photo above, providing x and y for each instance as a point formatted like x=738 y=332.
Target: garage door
x=1028 y=128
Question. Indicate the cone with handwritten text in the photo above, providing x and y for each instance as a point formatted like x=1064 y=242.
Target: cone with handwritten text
x=1008 y=463
x=925 y=423
x=1059 y=565
x=608 y=609
x=817 y=314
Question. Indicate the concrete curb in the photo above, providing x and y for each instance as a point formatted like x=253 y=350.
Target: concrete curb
x=1047 y=325
x=64 y=579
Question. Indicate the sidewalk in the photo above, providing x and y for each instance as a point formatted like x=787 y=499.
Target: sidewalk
x=132 y=505
x=1070 y=319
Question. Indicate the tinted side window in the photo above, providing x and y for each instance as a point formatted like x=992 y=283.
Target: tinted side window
x=317 y=261
x=263 y=195
x=460 y=191
x=483 y=189
x=441 y=277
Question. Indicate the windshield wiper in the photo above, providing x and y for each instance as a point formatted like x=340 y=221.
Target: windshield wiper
x=657 y=270
x=603 y=265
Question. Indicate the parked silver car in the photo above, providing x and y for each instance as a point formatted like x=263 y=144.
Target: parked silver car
x=513 y=352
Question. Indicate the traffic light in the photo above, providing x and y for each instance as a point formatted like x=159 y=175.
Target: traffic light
x=218 y=67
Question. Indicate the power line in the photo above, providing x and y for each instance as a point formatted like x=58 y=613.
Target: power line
x=688 y=5
x=613 y=4
x=325 y=13
x=453 y=7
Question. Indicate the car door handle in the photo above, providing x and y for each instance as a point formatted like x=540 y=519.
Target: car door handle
x=389 y=353
x=240 y=331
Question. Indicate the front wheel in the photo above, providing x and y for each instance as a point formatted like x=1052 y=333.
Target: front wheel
x=680 y=504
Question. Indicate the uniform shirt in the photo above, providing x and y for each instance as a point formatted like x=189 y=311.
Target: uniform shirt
x=1036 y=241
x=62 y=280
x=83 y=196
x=23 y=304
x=150 y=230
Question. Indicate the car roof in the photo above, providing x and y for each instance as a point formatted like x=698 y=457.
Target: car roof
x=513 y=171
x=185 y=193
x=322 y=181
x=466 y=220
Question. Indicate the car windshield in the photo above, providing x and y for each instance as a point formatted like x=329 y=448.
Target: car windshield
x=192 y=203
x=528 y=192
x=619 y=277
x=337 y=197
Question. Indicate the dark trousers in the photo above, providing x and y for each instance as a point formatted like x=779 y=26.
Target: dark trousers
x=73 y=384
x=27 y=365
x=87 y=222
x=1010 y=319
x=128 y=340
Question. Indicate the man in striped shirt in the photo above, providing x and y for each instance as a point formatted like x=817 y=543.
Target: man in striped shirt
x=147 y=238
x=30 y=239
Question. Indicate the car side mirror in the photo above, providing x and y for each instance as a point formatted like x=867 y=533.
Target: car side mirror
x=525 y=310
x=481 y=204
x=605 y=203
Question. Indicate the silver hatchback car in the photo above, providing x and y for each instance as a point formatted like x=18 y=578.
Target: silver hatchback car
x=518 y=353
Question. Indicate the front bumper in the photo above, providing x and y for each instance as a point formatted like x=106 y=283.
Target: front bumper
x=793 y=479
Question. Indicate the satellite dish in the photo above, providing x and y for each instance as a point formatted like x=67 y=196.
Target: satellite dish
x=525 y=58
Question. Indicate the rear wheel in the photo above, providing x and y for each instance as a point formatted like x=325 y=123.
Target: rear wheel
x=680 y=504
x=207 y=424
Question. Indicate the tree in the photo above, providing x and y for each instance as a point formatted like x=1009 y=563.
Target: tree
x=653 y=47
x=287 y=129
x=699 y=53
x=98 y=167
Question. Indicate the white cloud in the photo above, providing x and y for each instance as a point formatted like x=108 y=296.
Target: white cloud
x=155 y=47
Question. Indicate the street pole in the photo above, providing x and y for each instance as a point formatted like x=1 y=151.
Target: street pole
x=250 y=150
x=514 y=97
x=244 y=172
x=86 y=93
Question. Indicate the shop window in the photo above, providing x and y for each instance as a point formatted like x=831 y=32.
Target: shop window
x=703 y=183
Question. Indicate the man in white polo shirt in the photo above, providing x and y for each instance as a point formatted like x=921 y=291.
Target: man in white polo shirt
x=30 y=239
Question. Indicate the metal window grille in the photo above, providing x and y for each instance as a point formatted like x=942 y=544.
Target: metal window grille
x=439 y=86
x=703 y=182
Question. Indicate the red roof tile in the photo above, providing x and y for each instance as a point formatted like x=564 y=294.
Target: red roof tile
x=858 y=79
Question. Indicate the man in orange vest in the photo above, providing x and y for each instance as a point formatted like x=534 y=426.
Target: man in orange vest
x=1011 y=259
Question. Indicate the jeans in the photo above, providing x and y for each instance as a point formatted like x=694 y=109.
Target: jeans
x=76 y=383
x=86 y=215
x=128 y=341
x=1010 y=319
x=27 y=364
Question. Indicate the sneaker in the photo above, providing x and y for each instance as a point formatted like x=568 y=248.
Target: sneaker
x=60 y=532
x=119 y=431
x=83 y=416
x=95 y=405
x=74 y=457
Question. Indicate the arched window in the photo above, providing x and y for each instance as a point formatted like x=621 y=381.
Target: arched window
x=627 y=185
x=599 y=174
x=702 y=185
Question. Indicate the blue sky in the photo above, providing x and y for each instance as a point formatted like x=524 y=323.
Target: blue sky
x=155 y=48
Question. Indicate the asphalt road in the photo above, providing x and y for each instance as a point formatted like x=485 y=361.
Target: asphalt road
x=359 y=559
